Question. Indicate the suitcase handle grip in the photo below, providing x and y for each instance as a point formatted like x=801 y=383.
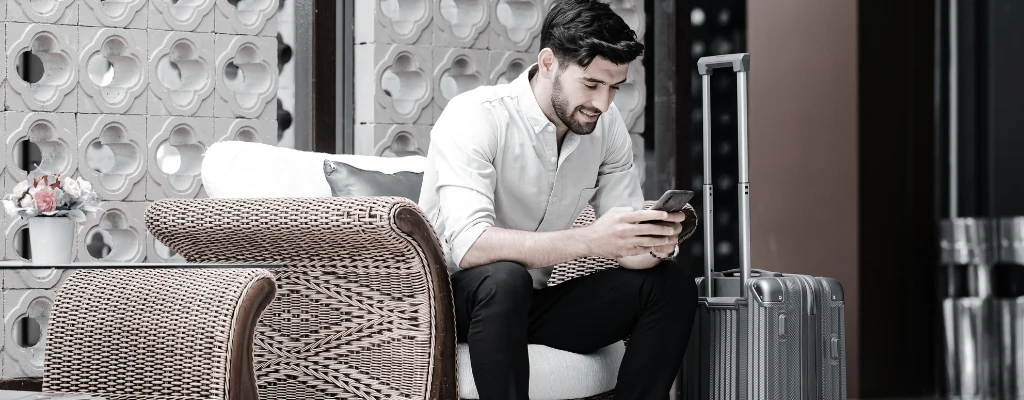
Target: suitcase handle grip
x=753 y=272
x=722 y=303
x=739 y=62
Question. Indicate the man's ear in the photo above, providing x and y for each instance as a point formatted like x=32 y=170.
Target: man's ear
x=547 y=64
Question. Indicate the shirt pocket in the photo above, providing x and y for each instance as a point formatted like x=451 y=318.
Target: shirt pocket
x=585 y=196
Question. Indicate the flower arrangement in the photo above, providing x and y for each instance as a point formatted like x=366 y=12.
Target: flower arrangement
x=71 y=198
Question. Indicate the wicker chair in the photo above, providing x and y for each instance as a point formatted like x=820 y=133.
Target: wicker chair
x=157 y=333
x=364 y=307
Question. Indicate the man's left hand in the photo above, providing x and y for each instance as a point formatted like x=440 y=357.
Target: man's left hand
x=674 y=221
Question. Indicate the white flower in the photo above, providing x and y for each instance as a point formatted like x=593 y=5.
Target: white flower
x=84 y=185
x=71 y=187
x=10 y=207
x=20 y=189
x=27 y=202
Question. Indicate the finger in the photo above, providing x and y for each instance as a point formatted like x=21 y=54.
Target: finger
x=652 y=229
x=615 y=210
x=667 y=249
x=660 y=223
x=674 y=226
x=638 y=250
x=644 y=215
x=676 y=217
x=655 y=241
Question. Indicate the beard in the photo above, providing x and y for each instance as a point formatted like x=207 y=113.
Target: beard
x=561 y=108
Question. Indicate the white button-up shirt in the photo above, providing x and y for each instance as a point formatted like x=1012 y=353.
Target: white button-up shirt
x=494 y=161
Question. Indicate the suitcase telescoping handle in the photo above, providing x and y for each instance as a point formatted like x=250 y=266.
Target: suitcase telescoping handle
x=740 y=63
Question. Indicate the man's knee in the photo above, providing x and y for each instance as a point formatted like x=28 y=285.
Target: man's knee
x=505 y=281
x=675 y=284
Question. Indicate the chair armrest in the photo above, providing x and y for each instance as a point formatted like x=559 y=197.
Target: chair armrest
x=157 y=332
x=364 y=283
x=293 y=231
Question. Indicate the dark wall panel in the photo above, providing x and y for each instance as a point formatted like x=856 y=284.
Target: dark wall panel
x=1006 y=106
x=897 y=192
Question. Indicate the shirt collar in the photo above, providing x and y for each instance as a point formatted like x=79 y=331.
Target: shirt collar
x=528 y=101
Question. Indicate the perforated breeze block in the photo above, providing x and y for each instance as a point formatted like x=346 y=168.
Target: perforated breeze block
x=53 y=133
x=181 y=16
x=57 y=48
x=254 y=18
x=113 y=155
x=390 y=140
x=246 y=75
x=116 y=235
x=112 y=70
x=175 y=148
x=16 y=359
x=131 y=14
x=245 y=130
x=60 y=12
x=398 y=22
x=395 y=87
x=181 y=74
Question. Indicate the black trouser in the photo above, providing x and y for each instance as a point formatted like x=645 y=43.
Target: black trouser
x=498 y=312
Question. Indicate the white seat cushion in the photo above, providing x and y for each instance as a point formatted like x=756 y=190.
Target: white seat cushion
x=243 y=169
x=556 y=374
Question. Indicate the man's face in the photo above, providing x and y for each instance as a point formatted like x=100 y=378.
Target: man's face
x=579 y=96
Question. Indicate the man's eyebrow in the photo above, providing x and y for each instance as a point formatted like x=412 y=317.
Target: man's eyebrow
x=595 y=80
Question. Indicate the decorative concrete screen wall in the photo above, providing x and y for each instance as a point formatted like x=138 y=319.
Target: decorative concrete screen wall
x=413 y=56
x=127 y=94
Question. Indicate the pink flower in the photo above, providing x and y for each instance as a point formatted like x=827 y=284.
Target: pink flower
x=46 y=199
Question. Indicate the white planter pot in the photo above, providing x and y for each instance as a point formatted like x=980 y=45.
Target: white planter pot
x=52 y=239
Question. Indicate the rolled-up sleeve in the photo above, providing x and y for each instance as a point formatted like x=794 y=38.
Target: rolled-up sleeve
x=617 y=178
x=462 y=149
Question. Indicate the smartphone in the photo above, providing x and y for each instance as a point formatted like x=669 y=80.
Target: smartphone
x=673 y=200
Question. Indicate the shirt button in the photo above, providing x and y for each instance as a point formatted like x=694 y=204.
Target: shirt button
x=553 y=159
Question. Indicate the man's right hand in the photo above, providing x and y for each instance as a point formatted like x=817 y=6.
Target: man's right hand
x=618 y=233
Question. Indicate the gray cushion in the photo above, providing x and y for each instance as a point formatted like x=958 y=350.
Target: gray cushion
x=346 y=180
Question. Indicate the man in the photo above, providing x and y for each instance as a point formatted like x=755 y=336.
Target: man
x=510 y=168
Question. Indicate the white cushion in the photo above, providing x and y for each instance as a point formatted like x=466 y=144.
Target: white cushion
x=243 y=169
x=556 y=374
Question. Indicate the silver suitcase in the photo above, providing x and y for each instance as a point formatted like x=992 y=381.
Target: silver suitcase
x=1008 y=293
x=759 y=334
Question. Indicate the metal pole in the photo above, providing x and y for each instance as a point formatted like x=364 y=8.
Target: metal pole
x=709 y=230
x=953 y=110
x=743 y=187
x=303 y=118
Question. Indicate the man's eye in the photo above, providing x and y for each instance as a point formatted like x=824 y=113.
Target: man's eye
x=615 y=88
x=590 y=86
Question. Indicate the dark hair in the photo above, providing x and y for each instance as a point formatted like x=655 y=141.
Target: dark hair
x=579 y=30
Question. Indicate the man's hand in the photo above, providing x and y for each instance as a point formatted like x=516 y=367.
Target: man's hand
x=619 y=234
x=674 y=221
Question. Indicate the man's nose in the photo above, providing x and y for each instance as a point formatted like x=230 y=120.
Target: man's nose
x=603 y=100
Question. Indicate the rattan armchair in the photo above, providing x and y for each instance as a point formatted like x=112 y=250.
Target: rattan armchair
x=157 y=333
x=364 y=306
